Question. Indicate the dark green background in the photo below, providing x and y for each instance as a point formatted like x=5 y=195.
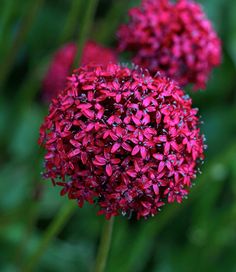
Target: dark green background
x=198 y=235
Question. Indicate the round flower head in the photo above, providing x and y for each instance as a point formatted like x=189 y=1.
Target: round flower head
x=122 y=139
x=174 y=38
x=62 y=62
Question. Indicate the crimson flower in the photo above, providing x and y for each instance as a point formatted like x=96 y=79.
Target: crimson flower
x=59 y=69
x=174 y=38
x=122 y=139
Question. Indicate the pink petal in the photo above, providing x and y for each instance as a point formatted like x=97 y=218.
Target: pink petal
x=146 y=204
x=126 y=146
x=135 y=150
x=161 y=166
x=84 y=157
x=169 y=165
x=130 y=128
x=171 y=198
x=84 y=106
x=88 y=113
x=75 y=143
x=119 y=131
x=89 y=127
x=99 y=160
x=110 y=120
x=74 y=153
x=113 y=136
x=100 y=114
x=136 y=120
x=143 y=152
x=90 y=96
x=116 y=85
x=175 y=146
x=136 y=166
x=131 y=173
x=106 y=134
x=115 y=147
x=155 y=189
x=133 y=140
x=140 y=136
x=115 y=161
x=139 y=114
x=167 y=148
x=158 y=117
x=146 y=119
x=87 y=87
x=118 y=98
x=158 y=156
x=147 y=134
x=109 y=170
x=162 y=138
x=147 y=101
x=127 y=120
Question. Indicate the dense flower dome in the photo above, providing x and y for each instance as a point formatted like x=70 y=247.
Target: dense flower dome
x=62 y=62
x=122 y=139
x=174 y=38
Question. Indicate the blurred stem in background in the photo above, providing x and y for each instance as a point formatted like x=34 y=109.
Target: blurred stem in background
x=58 y=223
x=85 y=28
x=114 y=16
x=11 y=53
x=104 y=245
x=71 y=22
x=6 y=15
x=32 y=210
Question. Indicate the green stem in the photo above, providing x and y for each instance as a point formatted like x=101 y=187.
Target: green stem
x=71 y=22
x=85 y=28
x=30 y=223
x=106 y=32
x=6 y=15
x=57 y=224
x=7 y=62
x=104 y=246
x=32 y=207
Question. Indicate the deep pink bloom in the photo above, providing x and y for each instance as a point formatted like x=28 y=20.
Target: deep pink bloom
x=61 y=65
x=123 y=139
x=174 y=38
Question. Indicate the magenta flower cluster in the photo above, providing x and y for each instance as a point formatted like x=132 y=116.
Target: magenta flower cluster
x=174 y=38
x=62 y=62
x=122 y=138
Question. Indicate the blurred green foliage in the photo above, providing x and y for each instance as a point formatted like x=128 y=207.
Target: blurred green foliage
x=198 y=235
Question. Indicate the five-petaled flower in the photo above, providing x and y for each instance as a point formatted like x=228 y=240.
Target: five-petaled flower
x=123 y=139
x=174 y=38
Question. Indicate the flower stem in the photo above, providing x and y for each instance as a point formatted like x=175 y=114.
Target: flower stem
x=85 y=28
x=6 y=15
x=114 y=16
x=72 y=21
x=10 y=55
x=58 y=223
x=104 y=246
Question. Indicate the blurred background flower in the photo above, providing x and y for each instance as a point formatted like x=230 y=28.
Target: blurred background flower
x=174 y=38
x=198 y=235
x=62 y=65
